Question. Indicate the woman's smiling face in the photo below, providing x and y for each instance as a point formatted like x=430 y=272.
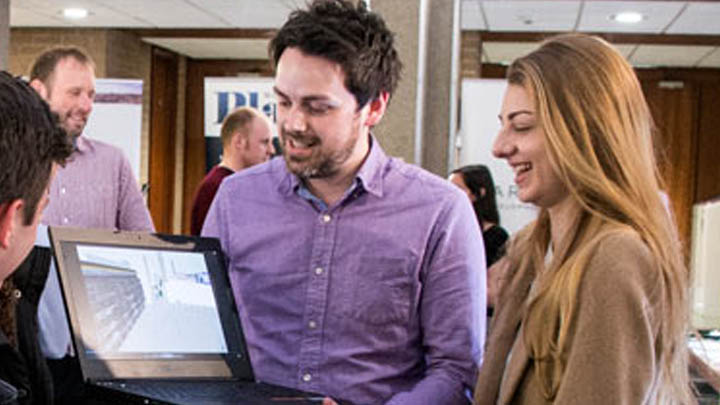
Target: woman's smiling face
x=521 y=141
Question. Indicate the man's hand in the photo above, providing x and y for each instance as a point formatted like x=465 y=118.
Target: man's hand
x=329 y=401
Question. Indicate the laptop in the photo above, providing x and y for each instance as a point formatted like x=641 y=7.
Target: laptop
x=154 y=321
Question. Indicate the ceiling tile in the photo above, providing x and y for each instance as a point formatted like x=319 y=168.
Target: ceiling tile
x=167 y=13
x=100 y=15
x=669 y=55
x=531 y=15
x=31 y=17
x=250 y=13
x=698 y=18
x=596 y=16
x=712 y=60
x=214 y=48
x=471 y=16
x=657 y=15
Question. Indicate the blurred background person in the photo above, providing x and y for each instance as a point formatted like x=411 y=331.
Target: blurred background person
x=477 y=182
x=247 y=141
x=96 y=189
x=594 y=306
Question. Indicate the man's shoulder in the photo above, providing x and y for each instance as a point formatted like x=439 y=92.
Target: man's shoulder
x=268 y=173
x=99 y=145
x=216 y=175
x=414 y=179
x=97 y=149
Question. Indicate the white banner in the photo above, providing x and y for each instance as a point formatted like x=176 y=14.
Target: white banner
x=479 y=124
x=224 y=94
x=117 y=117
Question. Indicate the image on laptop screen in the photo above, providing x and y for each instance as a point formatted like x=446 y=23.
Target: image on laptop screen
x=148 y=302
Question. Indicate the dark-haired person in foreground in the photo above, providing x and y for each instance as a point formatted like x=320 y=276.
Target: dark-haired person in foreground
x=356 y=275
x=31 y=146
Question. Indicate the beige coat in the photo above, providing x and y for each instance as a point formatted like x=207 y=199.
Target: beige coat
x=613 y=348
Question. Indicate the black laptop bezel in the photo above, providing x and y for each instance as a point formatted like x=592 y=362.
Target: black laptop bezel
x=233 y=365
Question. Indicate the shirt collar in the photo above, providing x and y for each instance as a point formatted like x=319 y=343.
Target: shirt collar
x=83 y=144
x=370 y=175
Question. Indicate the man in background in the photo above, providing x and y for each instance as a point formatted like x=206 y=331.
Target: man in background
x=247 y=140
x=356 y=275
x=96 y=189
x=31 y=147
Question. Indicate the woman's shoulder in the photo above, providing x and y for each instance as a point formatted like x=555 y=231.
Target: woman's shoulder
x=622 y=245
x=620 y=260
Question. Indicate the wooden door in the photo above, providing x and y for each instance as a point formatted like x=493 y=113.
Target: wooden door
x=163 y=113
x=197 y=71
x=673 y=104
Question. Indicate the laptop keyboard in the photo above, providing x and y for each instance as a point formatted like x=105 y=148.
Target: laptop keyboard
x=199 y=392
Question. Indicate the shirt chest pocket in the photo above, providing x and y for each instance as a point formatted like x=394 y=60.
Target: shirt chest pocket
x=379 y=291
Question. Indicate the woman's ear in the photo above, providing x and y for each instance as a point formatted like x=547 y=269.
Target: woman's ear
x=482 y=192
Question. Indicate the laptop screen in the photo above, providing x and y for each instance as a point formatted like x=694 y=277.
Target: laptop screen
x=157 y=303
x=149 y=305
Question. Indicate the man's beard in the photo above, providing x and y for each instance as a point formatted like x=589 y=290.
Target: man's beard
x=321 y=163
x=70 y=130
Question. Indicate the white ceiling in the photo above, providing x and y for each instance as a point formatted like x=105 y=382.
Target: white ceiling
x=660 y=17
x=154 y=13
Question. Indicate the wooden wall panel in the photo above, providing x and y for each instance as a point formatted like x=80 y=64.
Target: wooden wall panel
x=164 y=81
x=708 y=156
x=675 y=114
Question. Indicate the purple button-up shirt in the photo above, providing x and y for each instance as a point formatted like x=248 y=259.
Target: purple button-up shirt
x=380 y=298
x=97 y=189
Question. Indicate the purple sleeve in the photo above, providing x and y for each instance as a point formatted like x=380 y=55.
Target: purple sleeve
x=133 y=214
x=452 y=310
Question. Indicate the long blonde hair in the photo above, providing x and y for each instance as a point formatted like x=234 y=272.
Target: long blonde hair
x=598 y=136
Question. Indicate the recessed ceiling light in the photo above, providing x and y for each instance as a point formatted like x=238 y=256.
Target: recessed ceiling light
x=75 y=13
x=628 y=17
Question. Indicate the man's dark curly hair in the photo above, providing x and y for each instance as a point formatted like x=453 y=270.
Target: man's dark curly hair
x=348 y=35
x=30 y=141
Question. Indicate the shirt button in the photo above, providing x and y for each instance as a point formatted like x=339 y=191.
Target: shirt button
x=65 y=220
x=312 y=325
x=326 y=218
x=306 y=377
x=62 y=190
x=319 y=270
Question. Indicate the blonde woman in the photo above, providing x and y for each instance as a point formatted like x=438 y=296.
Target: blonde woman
x=599 y=275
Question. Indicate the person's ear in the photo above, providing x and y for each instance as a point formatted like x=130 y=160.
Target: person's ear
x=239 y=140
x=377 y=109
x=40 y=88
x=10 y=214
